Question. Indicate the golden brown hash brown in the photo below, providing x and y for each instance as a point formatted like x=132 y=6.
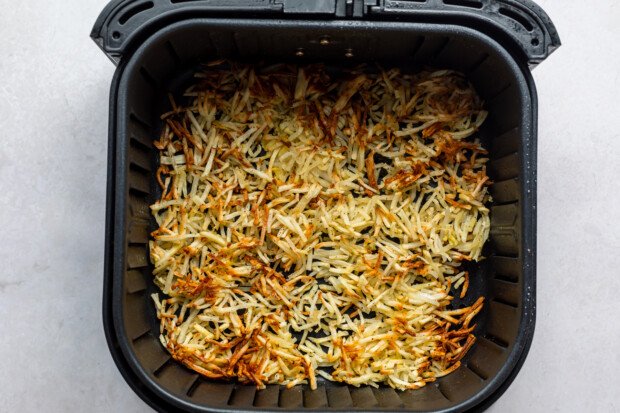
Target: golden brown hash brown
x=315 y=225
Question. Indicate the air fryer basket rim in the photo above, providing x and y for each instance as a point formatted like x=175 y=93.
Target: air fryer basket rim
x=116 y=215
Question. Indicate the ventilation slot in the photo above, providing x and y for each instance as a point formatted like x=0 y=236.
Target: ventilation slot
x=267 y=397
x=503 y=301
x=509 y=181
x=474 y=369
x=135 y=143
x=173 y=53
x=138 y=203
x=142 y=123
x=148 y=78
x=477 y=64
x=242 y=396
x=139 y=179
x=159 y=369
x=224 y=44
x=150 y=352
x=212 y=394
x=140 y=154
x=506 y=192
x=504 y=203
x=428 y=396
x=460 y=384
x=136 y=257
x=505 y=242
x=363 y=397
x=387 y=397
x=486 y=359
x=291 y=398
x=441 y=48
x=506 y=167
x=510 y=254
x=315 y=399
x=443 y=391
x=507 y=265
x=134 y=282
x=339 y=397
x=504 y=217
x=141 y=334
x=474 y=4
x=418 y=45
x=506 y=278
x=138 y=235
x=499 y=93
x=496 y=340
x=193 y=385
x=134 y=167
x=175 y=378
x=506 y=143
x=506 y=293
x=134 y=11
x=518 y=17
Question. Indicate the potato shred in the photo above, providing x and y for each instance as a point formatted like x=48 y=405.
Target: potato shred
x=314 y=225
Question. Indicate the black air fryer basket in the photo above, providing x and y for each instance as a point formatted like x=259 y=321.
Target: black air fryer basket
x=157 y=45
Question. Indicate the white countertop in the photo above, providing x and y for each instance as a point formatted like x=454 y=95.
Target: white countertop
x=53 y=131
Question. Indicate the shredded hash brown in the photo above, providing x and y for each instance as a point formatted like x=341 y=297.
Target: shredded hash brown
x=315 y=225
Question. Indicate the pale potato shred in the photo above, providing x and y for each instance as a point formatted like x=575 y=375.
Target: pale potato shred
x=314 y=225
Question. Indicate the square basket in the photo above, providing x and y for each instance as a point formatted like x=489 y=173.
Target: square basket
x=157 y=45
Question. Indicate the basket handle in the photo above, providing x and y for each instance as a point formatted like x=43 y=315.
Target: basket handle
x=123 y=22
x=520 y=25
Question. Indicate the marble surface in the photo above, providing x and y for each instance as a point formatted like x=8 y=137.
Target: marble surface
x=53 y=130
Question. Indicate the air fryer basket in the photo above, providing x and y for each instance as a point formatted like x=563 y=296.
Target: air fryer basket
x=157 y=55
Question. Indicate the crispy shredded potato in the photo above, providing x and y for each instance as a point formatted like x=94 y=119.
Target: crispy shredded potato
x=315 y=225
